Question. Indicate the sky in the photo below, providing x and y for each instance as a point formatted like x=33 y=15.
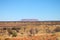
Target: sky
x=15 y=10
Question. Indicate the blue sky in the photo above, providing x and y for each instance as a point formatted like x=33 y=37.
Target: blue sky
x=15 y=10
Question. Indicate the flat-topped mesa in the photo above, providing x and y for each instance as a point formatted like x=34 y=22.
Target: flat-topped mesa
x=29 y=20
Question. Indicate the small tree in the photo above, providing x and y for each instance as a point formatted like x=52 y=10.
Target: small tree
x=57 y=29
x=9 y=32
x=14 y=34
x=33 y=31
x=36 y=30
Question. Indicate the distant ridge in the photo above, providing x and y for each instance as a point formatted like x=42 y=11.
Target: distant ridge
x=29 y=20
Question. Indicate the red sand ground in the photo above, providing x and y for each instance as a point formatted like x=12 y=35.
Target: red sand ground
x=41 y=37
